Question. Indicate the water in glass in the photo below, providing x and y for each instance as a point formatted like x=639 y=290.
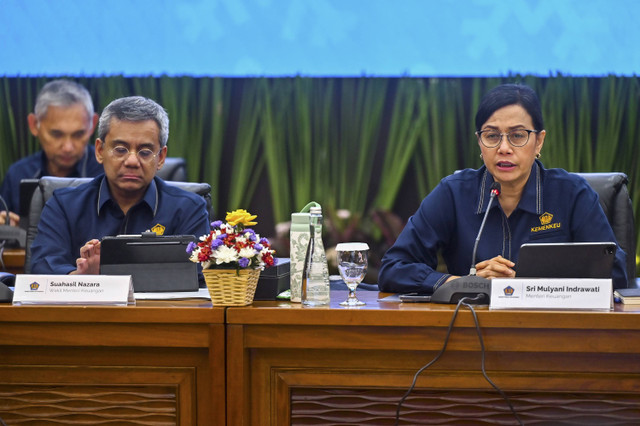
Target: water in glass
x=352 y=265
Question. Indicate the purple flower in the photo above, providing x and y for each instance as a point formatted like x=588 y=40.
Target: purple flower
x=264 y=241
x=252 y=234
x=258 y=247
x=216 y=243
x=216 y=224
x=243 y=262
x=191 y=247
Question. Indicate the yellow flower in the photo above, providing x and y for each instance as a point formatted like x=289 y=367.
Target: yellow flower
x=240 y=216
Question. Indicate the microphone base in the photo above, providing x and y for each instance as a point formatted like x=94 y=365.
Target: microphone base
x=6 y=280
x=467 y=286
x=6 y=294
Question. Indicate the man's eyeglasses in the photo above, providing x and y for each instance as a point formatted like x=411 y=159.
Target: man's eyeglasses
x=145 y=155
x=517 y=138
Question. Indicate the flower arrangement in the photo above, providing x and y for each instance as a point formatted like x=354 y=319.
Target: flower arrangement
x=231 y=244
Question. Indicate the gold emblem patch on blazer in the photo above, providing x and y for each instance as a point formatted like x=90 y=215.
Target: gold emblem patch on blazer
x=158 y=229
x=546 y=218
x=545 y=223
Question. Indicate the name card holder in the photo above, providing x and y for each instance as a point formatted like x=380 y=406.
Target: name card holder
x=551 y=293
x=73 y=290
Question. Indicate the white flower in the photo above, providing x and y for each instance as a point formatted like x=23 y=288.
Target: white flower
x=247 y=252
x=224 y=254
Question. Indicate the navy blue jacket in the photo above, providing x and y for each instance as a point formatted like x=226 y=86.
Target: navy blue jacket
x=75 y=215
x=556 y=206
x=35 y=166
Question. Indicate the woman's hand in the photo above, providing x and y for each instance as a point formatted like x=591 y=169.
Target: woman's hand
x=498 y=267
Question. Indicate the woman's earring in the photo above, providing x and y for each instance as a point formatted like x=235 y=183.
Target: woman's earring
x=481 y=156
x=538 y=155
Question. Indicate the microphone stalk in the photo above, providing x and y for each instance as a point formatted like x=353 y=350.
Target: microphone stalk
x=471 y=285
x=10 y=236
x=495 y=191
x=7 y=220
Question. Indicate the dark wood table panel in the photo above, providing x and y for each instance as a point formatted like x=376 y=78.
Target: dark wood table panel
x=154 y=363
x=332 y=365
x=13 y=260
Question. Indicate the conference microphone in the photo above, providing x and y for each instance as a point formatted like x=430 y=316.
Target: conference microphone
x=13 y=236
x=470 y=285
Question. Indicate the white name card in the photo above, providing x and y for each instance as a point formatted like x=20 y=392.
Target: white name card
x=551 y=293
x=73 y=290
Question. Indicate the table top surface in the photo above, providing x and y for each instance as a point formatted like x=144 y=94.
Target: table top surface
x=385 y=313
x=149 y=311
x=376 y=312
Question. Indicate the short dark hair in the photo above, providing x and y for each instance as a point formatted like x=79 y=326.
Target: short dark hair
x=135 y=108
x=510 y=94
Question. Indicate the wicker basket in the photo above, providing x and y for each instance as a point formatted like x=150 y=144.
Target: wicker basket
x=228 y=287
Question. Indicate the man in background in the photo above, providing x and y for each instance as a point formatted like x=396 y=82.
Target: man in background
x=63 y=122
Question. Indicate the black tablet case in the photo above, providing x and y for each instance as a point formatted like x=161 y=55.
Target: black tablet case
x=155 y=263
x=566 y=260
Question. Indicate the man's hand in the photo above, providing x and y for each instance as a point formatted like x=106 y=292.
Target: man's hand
x=89 y=261
x=14 y=219
x=498 y=267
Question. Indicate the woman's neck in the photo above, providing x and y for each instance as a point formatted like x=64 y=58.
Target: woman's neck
x=510 y=196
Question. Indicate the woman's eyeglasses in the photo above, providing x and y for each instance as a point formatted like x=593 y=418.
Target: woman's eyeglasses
x=517 y=138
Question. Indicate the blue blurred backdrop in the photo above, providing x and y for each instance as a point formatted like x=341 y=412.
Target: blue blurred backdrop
x=319 y=37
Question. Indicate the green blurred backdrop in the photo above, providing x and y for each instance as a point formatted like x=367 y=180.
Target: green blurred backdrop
x=356 y=145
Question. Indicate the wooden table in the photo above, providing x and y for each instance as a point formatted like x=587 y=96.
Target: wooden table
x=13 y=260
x=280 y=363
x=288 y=364
x=155 y=363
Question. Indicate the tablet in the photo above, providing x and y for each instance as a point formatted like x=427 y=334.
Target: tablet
x=566 y=260
x=415 y=298
x=155 y=263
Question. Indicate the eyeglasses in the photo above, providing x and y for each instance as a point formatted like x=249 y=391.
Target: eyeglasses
x=145 y=155
x=517 y=138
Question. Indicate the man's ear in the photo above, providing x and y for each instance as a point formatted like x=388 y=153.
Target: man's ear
x=99 y=151
x=162 y=155
x=33 y=124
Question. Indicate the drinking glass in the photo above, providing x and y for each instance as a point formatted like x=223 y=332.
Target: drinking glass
x=352 y=264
